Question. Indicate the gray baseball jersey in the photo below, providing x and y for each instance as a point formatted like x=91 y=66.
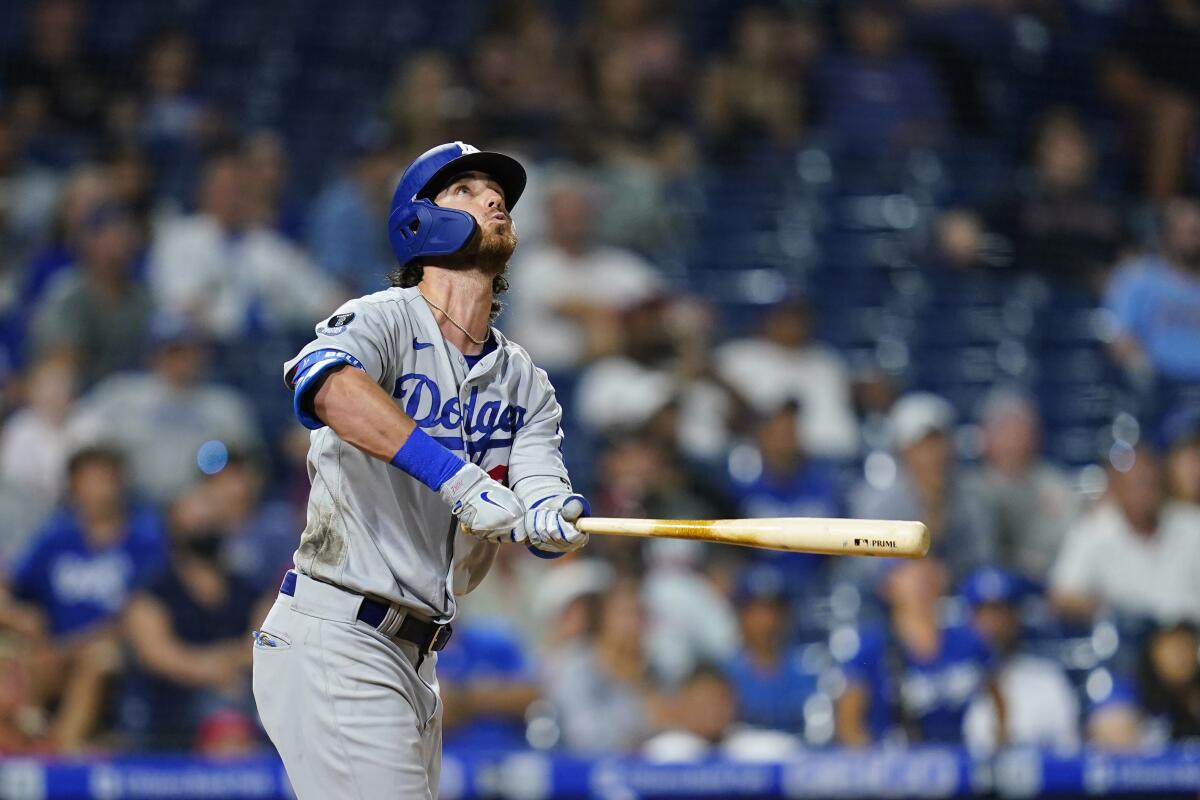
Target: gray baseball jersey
x=374 y=529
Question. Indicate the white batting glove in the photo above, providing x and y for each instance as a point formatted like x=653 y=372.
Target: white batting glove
x=549 y=523
x=484 y=507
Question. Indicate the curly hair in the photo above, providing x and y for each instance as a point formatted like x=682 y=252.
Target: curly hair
x=410 y=274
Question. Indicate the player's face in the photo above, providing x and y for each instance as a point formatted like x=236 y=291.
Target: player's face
x=482 y=198
x=479 y=196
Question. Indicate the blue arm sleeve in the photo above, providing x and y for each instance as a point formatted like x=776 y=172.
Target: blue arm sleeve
x=305 y=380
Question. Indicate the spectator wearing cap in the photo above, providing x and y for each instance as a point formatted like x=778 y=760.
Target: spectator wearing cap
x=1155 y=300
x=78 y=573
x=1034 y=703
x=571 y=290
x=770 y=681
x=926 y=487
x=1136 y=553
x=98 y=312
x=231 y=276
x=1032 y=502
x=783 y=363
x=347 y=226
x=913 y=679
x=1181 y=448
x=158 y=419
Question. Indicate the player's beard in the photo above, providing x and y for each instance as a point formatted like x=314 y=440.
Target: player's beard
x=488 y=251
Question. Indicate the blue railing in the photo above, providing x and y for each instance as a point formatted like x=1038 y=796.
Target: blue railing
x=914 y=772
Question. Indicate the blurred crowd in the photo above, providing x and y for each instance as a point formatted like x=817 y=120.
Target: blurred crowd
x=168 y=238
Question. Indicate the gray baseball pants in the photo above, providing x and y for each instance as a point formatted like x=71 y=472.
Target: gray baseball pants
x=353 y=713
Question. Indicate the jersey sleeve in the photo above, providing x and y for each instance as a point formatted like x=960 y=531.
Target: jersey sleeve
x=359 y=329
x=537 y=445
x=360 y=334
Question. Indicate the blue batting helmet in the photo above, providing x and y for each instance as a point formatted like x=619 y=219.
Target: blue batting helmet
x=417 y=227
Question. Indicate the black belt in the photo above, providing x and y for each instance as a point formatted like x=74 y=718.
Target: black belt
x=428 y=636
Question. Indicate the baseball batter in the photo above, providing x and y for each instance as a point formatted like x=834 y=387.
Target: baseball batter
x=434 y=439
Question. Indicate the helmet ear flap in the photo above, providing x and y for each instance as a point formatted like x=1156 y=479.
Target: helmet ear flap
x=422 y=228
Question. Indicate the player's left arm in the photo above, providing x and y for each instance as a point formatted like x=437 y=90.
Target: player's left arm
x=539 y=478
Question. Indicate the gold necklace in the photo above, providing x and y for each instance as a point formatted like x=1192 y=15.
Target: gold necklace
x=466 y=332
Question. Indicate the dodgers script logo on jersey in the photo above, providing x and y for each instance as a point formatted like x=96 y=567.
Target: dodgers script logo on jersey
x=424 y=404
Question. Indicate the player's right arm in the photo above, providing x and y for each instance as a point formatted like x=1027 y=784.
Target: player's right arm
x=336 y=388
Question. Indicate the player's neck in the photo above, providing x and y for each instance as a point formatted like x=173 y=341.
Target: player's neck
x=464 y=296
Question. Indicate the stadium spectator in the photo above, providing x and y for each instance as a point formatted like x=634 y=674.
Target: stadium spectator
x=487 y=684
x=926 y=487
x=261 y=534
x=1136 y=553
x=915 y=678
x=770 y=682
x=96 y=312
x=1114 y=722
x=270 y=205
x=784 y=363
x=665 y=364
x=689 y=620
x=188 y=631
x=1181 y=448
x=1032 y=503
x=783 y=481
x=159 y=418
x=64 y=90
x=1155 y=300
x=229 y=276
x=755 y=95
x=603 y=695
x=79 y=572
x=875 y=96
x=28 y=193
x=347 y=231
x=703 y=717
x=1034 y=703
x=567 y=607
x=1150 y=74
x=33 y=441
x=571 y=289
x=1169 y=681
x=427 y=103
x=168 y=114
x=86 y=188
x=778 y=479
x=1059 y=222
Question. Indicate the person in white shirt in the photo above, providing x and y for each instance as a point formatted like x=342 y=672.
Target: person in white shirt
x=230 y=276
x=784 y=363
x=1039 y=704
x=1136 y=553
x=573 y=288
x=160 y=419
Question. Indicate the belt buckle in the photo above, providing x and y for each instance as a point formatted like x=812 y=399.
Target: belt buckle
x=441 y=635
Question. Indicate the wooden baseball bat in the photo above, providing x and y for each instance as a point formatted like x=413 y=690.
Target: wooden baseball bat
x=839 y=537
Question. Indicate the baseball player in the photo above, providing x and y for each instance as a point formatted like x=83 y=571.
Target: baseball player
x=434 y=439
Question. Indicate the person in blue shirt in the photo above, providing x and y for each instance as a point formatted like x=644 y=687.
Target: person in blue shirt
x=786 y=483
x=487 y=684
x=79 y=573
x=913 y=678
x=770 y=682
x=1155 y=301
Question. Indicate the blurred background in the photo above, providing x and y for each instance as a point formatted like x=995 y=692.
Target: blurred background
x=931 y=259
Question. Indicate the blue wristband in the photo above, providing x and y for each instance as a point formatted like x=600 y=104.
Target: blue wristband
x=426 y=460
